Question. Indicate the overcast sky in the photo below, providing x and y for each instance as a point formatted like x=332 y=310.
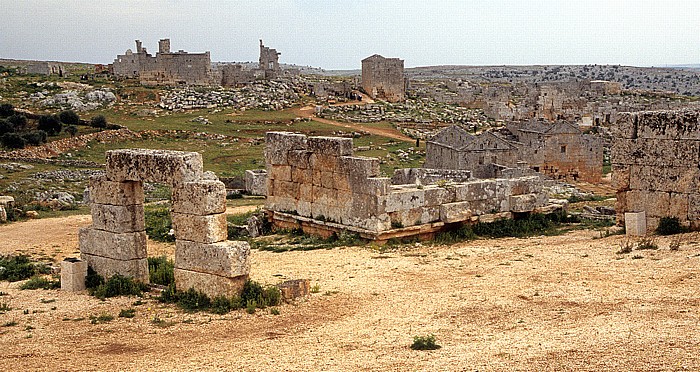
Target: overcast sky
x=337 y=34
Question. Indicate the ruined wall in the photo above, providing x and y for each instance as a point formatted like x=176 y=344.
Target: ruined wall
x=233 y=75
x=319 y=178
x=655 y=161
x=383 y=78
x=570 y=156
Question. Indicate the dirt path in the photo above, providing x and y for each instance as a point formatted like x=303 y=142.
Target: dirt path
x=545 y=303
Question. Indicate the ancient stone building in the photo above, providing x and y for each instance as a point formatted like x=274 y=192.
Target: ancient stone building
x=655 y=161
x=116 y=241
x=559 y=150
x=383 y=78
x=317 y=184
x=44 y=68
x=165 y=68
x=234 y=74
x=269 y=61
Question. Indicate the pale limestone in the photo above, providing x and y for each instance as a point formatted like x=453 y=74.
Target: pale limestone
x=73 y=273
x=118 y=218
x=104 y=191
x=209 y=284
x=200 y=198
x=202 y=229
x=120 y=246
x=229 y=258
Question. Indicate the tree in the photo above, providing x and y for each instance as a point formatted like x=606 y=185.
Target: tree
x=69 y=117
x=50 y=124
x=6 y=127
x=35 y=137
x=98 y=121
x=72 y=130
x=6 y=110
x=18 y=121
x=12 y=141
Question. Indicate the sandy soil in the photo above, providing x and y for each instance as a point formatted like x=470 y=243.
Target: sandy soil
x=545 y=303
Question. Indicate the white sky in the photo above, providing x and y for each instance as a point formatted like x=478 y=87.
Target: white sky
x=337 y=34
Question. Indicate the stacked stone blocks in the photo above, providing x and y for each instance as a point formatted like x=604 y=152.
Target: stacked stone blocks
x=116 y=241
x=655 y=161
x=319 y=178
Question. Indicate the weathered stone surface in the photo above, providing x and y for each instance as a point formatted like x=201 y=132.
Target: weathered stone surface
x=104 y=191
x=107 y=267
x=625 y=126
x=406 y=217
x=523 y=203
x=7 y=201
x=475 y=190
x=404 y=199
x=120 y=246
x=655 y=203
x=209 y=284
x=455 y=212
x=694 y=207
x=635 y=223
x=296 y=288
x=676 y=179
x=229 y=258
x=378 y=186
x=525 y=185
x=678 y=206
x=299 y=159
x=73 y=273
x=279 y=144
x=281 y=173
x=302 y=176
x=118 y=218
x=202 y=229
x=655 y=152
x=3 y=214
x=436 y=195
x=670 y=125
x=334 y=146
x=358 y=168
x=163 y=166
x=256 y=181
x=200 y=198
x=621 y=177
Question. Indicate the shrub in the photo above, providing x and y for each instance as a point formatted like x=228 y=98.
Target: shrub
x=6 y=110
x=93 y=279
x=18 y=122
x=16 y=268
x=35 y=137
x=223 y=305
x=50 y=124
x=253 y=294
x=625 y=247
x=193 y=300
x=69 y=117
x=102 y=318
x=39 y=282
x=118 y=285
x=674 y=245
x=98 y=121
x=13 y=141
x=6 y=127
x=647 y=243
x=424 y=343
x=161 y=270
x=127 y=313
x=159 y=223
x=72 y=130
x=5 y=306
x=669 y=226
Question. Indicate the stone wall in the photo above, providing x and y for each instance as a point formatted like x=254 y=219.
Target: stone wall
x=318 y=178
x=116 y=241
x=655 y=161
x=383 y=78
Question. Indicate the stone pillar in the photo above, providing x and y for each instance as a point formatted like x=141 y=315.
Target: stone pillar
x=635 y=223
x=73 y=273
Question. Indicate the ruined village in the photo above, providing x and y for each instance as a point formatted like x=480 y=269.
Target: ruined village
x=166 y=211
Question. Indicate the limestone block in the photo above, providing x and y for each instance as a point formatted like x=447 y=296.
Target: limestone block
x=163 y=166
x=3 y=214
x=486 y=206
x=654 y=203
x=202 y=229
x=306 y=192
x=299 y=159
x=430 y=214
x=304 y=208
x=694 y=207
x=625 y=126
x=523 y=203
x=635 y=223
x=119 y=246
x=296 y=288
x=104 y=191
x=280 y=173
x=209 y=284
x=475 y=190
x=678 y=206
x=404 y=199
x=323 y=162
x=327 y=180
x=73 y=273
x=281 y=204
x=344 y=199
x=525 y=185
x=302 y=176
x=455 y=212
x=672 y=125
x=326 y=212
x=324 y=195
x=436 y=195
x=228 y=258
x=359 y=168
x=342 y=181
x=118 y=218
x=333 y=146
x=256 y=181
x=621 y=176
x=286 y=189
x=7 y=201
x=378 y=186
x=269 y=187
x=279 y=144
x=365 y=206
x=377 y=223
x=406 y=218
x=107 y=267
x=655 y=152
x=652 y=223
x=668 y=179
x=200 y=198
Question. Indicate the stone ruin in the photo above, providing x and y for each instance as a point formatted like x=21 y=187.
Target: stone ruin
x=315 y=183
x=655 y=162
x=383 y=78
x=116 y=241
x=269 y=61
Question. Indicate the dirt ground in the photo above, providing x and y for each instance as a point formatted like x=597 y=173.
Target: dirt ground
x=565 y=302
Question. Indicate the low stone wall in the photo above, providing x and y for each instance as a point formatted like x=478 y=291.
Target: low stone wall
x=655 y=162
x=318 y=178
x=426 y=176
x=116 y=241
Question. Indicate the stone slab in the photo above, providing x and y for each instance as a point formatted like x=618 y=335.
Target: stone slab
x=104 y=191
x=200 y=197
x=334 y=146
x=202 y=229
x=455 y=212
x=209 y=284
x=161 y=166
x=118 y=218
x=635 y=223
x=523 y=203
x=107 y=267
x=73 y=273
x=120 y=246
x=404 y=199
x=229 y=258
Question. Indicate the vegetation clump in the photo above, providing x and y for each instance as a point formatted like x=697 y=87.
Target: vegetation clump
x=159 y=223
x=16 y=268
x=40 y=282
x=425 y=343
x=254 y=295
x=116 y=285
x=161 y=270
x=669 y=226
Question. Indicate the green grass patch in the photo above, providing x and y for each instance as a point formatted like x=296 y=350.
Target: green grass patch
x=253 y=294
x=117 y=285
x=161 y=270
x=127 y=313
x=159 y=222
x=40 y=282
x=20 y=267
x=297 y=240
x=102 y=318
x=425 y=343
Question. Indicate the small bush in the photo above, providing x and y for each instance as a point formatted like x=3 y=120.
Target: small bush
x=250 y=306
x=669 y=226
x=102 y=318
x=93 y=279
x=169 y=294
x=18 y=122
x=69 y=117
x=98 y=121
x=6 y=110
x=35 y=137
x=72 y=130
x=50 y=124
x=5 y=306
x=647 y=243
x=159 y=223
x=674 y=245
x=424 y=343
x=39 y=282
x=192 y=300
x=274 y=311
x=127 y=313
x=16 y=268
x=223 y=305
x=161 y=270
x=118 y=285
x=13 y=141
x=625 y=247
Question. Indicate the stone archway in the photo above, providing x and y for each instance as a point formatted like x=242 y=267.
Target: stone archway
x=116 y=241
